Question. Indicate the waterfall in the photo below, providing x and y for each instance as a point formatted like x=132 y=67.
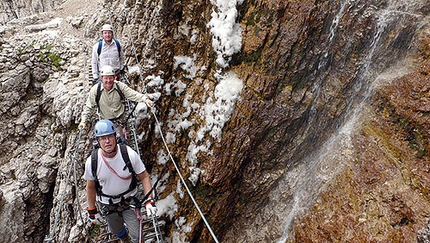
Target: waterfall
x=309 y=178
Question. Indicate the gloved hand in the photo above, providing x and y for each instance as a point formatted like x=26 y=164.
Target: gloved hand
x=149 y=102
x=94 y=216
x=122 y=71
x=95 y=80
x=151 y=209
x=82 y=125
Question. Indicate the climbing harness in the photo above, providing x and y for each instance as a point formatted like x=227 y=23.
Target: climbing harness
x=126 y=158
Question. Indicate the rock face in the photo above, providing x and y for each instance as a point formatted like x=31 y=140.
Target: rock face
x=13 y=9
x=34 y=94
x=292 y=121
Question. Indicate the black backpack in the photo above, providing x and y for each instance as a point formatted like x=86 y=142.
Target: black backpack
x=94 y=163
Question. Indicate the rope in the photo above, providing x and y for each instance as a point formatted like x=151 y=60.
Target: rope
x=140 y=218
x=63 y=195
x=164 y=141
x=77 y=148
x=182 y=178
x=74 y=172
x=76 y=180
x=114 y=171
x=77 y=144
x=73 y=164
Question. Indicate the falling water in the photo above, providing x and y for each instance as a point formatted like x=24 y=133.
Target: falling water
x=312 y=174
x=318 y=84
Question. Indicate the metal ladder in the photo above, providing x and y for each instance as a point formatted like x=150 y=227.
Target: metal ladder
x=131 y=135
x=151 y=232
x=151 y=227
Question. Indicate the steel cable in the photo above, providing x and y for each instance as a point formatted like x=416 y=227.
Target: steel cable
x=182 y=179
x=165 y=143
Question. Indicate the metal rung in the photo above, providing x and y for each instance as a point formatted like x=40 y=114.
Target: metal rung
x=149 y=236
x=148 y=230
x=149 y=220
x=152 y=236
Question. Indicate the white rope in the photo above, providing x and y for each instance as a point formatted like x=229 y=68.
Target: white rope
x=182 y=179
x=164 y=141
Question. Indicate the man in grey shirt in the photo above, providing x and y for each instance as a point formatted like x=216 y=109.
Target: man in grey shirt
x=107 y=51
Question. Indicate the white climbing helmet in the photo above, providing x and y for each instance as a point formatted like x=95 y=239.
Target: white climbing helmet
x=107 y=27
x=107 y=71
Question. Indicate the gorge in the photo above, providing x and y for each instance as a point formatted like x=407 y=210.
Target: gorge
x=291 y=121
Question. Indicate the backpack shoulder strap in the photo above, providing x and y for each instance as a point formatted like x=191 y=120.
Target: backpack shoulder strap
x=126 y=158
x=118 y=46
x=127 y=162
x=99 y=48
x=98 y=95
x=94 y=163
x=121 y=94
x=94 y=158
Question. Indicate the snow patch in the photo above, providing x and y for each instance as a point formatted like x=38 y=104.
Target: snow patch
x=227 y=34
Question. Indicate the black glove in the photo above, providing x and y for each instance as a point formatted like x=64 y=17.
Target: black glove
x=122 y=71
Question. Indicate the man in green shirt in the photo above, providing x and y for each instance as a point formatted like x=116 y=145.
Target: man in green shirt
x=107 y=98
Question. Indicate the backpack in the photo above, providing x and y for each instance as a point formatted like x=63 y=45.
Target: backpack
x=99 y=93
x=99 y=48
x=126 y=158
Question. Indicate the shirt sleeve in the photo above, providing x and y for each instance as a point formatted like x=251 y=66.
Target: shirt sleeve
x=88 y=174
x=94 y=61
x=121 y=58
x=90 y=104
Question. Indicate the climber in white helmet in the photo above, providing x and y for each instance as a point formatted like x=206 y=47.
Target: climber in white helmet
x=107 y=51
x=107 y=97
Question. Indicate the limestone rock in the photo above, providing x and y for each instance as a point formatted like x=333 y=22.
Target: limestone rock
x=324 y=136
